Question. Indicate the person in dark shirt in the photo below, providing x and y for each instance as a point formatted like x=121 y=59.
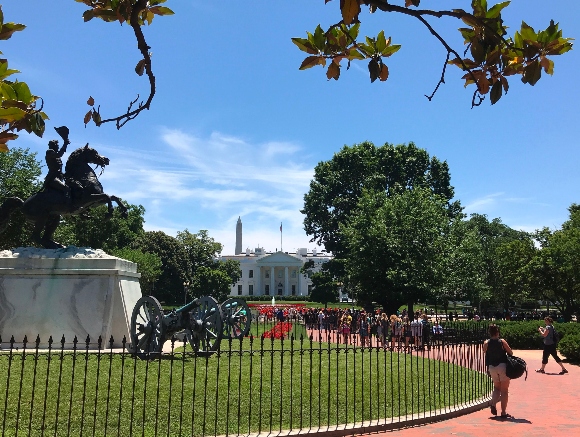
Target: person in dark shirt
x=549 y=346
x=495 y=350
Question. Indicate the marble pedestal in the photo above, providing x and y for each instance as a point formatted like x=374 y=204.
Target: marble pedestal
x=72 y=292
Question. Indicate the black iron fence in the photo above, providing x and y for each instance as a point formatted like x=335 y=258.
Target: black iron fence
x=253 y=385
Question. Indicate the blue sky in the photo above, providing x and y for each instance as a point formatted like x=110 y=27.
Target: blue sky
x=236 y=129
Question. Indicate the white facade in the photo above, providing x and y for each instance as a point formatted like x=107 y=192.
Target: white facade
x=274 y=273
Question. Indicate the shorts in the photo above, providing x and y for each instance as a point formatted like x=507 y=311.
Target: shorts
x=497 y=373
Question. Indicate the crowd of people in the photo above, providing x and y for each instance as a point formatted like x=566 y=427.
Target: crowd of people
x=396 y=332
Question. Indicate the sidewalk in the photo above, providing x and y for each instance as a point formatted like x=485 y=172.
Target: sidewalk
x=544 y=405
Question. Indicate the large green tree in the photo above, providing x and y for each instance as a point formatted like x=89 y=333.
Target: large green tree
x=209 y=276
x=19 y=177
x=175 y=265
x=397 y=245
x=554 y=273
x=492 y=235
x=491 y=57
x=96 y=231
x=338 y=184
x=463 y=267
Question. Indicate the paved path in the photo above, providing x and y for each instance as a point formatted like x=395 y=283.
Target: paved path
x=544 y=405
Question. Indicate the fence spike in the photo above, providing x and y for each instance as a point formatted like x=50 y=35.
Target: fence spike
x=111 y=341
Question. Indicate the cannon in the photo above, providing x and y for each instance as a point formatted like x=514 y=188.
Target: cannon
x=203 y=321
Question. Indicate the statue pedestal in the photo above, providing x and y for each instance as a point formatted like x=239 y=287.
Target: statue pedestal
x=72 y=292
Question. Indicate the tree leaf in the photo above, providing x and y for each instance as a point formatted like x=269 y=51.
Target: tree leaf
x=496 y=92
x=305 y=45
x=140 y=67
x=333 y=71
x=532 y=73
x=381 y=41
x=495 y=10
x=374 y=69
x=8 y=115
x=87 y=117
x=3 y=147
x=91 y=101
x=547 y=65
x=350 y=10
x=309 y=62
x=384 y=75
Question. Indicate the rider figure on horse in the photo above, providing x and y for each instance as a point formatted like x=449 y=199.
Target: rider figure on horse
x=55 y=179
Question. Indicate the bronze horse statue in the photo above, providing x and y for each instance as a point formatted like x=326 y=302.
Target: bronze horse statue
x=46 y=207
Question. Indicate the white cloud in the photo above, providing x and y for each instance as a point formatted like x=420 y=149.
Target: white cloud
x=206 y=183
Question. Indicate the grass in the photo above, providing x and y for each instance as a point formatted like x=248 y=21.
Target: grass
x=270 y=386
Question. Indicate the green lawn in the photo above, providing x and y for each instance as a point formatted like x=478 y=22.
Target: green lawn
x=266 y=387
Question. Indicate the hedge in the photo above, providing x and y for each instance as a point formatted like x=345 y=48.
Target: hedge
x=525 y=335
x=570 y=347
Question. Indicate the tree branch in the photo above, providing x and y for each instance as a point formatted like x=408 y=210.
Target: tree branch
x=131 y=113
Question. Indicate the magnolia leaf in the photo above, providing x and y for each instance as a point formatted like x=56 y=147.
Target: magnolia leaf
x=7 y=136
x=7 y=29
x=532 y=73
x=305 y=45
x=355 y=54
x=374 y=69
x=353 y=31
x=496 y=92
x=161 y=10
x=91 y=101
x=384 y=75
x=390 y=49
x=381 y=41
x=333 y=71
x=88 y=15
x=319 y=38
x=495 y=11
x=412 y=3
x=87 y=117
x=3 y=147
x=140 y=67
x=8 y=115
x=96 y=117
x=309 y=62
x=350 y=10
x=547 y=65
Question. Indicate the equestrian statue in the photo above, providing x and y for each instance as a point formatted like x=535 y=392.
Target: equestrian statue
x=71 y=193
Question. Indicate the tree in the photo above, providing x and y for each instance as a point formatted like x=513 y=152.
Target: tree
x=324 y=284
x=554 y=273
x=396 y=246
x=463 y=267
x=512 y=259
x=97 y=232
x=175 y=264
x=492 y=234
x=19 y=173
x=338 y=185
x=494 y=56
x=148 y=264
x=209 y=275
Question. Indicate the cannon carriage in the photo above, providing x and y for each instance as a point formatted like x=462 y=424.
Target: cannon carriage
x=203 y=322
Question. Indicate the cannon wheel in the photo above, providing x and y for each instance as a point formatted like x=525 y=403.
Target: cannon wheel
x=237 y=318
x=147 y=326
x=206 y=322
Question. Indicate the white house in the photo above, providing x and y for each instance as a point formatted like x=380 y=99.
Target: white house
x=273 y=273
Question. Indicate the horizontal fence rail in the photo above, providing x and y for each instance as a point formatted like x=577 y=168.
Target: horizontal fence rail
x=252 y=385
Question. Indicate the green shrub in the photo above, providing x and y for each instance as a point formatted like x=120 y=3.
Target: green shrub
x=570 y=347
x=521 y=335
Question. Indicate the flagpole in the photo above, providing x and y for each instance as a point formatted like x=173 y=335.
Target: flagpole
x=281 y=250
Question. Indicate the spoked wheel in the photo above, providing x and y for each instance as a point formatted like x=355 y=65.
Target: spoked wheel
x=206 y=326
x=237 y=318
x=147 y=326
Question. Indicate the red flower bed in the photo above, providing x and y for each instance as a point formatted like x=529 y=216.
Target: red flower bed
x=279 y=331
x=270 y=311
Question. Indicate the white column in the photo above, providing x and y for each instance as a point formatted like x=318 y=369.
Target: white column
x=272 y=282
x=259 y=290
x=286 y=292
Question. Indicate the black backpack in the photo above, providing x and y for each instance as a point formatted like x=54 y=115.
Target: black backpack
x=516 y=367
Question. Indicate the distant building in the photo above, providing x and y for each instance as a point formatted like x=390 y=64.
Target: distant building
x=238 y=236
x=273 y=273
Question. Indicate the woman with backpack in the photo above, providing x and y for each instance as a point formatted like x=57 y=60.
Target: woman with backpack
x=550 y=344
x=496 y=350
